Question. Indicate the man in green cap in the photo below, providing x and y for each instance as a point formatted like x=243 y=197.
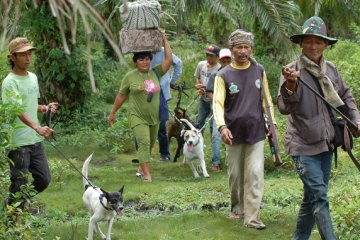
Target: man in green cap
x=310 y=133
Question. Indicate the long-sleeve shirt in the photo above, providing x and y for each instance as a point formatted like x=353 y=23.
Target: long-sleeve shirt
x=167 y=79
x=220 y=95
x=309 y=128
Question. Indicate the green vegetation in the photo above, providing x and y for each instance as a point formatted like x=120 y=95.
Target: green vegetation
x=175 y=205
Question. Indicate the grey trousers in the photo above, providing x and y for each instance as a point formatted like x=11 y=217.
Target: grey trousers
x=246 y=180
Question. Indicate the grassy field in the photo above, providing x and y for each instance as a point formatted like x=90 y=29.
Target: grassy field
x=173 y=206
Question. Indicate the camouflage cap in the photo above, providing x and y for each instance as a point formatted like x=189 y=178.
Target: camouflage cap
x=20 y=44
x=240 y=37
x=314 y=26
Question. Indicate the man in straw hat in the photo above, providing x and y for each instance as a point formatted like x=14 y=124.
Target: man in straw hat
x=310 y=132
x=238 y=112
x=21 y=87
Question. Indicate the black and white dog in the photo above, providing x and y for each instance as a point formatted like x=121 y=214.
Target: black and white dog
x=194 y=148
x=102 y=205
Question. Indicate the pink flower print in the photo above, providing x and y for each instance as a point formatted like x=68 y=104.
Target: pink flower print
x=150 y=86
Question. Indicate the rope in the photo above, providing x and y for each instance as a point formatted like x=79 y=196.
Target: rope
x=203 y=127
x=67 y=159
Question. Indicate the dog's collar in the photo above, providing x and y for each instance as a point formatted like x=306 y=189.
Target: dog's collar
x=102 y=204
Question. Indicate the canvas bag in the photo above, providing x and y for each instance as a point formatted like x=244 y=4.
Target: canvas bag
x=143 y=14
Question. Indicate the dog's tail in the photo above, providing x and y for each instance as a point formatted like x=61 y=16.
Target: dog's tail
x=85 y=171
x=188 y=123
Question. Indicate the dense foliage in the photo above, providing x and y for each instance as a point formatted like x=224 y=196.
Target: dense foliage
x=192 y=25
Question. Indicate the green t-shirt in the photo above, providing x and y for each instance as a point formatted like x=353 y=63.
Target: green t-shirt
x=22 y=90
x=134 y=85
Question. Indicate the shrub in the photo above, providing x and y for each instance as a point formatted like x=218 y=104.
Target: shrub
x=346 y=55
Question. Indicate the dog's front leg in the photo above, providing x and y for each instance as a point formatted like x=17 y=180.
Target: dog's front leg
x=102 y=235
x=195 y=173
x=203 y=166
x=110 y=223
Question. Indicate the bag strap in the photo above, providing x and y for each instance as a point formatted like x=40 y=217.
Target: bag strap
x=157 y=75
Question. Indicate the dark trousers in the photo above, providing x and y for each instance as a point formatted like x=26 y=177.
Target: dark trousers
x=25 y=159
x=163 y=140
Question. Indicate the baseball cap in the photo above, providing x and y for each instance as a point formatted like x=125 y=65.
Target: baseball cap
x=225 y=52
x=20 y=44
x=213 y=50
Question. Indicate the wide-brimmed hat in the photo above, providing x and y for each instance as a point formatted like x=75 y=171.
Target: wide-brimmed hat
x=20 y=44
x=314 y=26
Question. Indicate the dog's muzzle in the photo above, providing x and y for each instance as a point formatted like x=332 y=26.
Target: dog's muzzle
x=119 y=211
x=190 y=145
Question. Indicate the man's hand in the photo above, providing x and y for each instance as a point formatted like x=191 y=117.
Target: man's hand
x=53 y=107
x=357 y=133
x=111 y=119
x=44 y=131
x=291 y=75
x=226 y=136
x=200 y=88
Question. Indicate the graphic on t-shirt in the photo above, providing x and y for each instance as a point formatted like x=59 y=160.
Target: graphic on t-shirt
x=257 y=83
x=233 y=88
x=150 y=86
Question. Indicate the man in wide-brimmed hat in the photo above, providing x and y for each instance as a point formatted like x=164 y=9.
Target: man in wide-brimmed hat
x=310 y=133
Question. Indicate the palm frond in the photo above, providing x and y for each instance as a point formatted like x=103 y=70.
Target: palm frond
x=64 y=11
x=277 y=18
x=218 y=8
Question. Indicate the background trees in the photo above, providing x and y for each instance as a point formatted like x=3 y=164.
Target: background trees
x=67 y=31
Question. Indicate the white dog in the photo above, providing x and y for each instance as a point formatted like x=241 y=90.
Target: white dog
x=194 y=148
x=102 y=205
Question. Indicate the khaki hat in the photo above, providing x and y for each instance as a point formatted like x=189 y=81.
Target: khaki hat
x=20 y=44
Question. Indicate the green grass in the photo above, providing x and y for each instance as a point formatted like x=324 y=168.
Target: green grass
x=174 y=206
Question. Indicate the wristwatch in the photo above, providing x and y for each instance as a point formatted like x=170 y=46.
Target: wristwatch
x=221 y=128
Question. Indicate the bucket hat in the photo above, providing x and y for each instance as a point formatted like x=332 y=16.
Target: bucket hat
x=314 y=26
x=20 y=44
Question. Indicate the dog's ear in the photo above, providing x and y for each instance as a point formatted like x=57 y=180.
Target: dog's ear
x=121 y=189
x=182 y=133
x=106 y=194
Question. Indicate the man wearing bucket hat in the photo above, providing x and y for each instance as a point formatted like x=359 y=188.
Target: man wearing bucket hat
x=310 y=131
x=239 y=115
x=21 y=87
